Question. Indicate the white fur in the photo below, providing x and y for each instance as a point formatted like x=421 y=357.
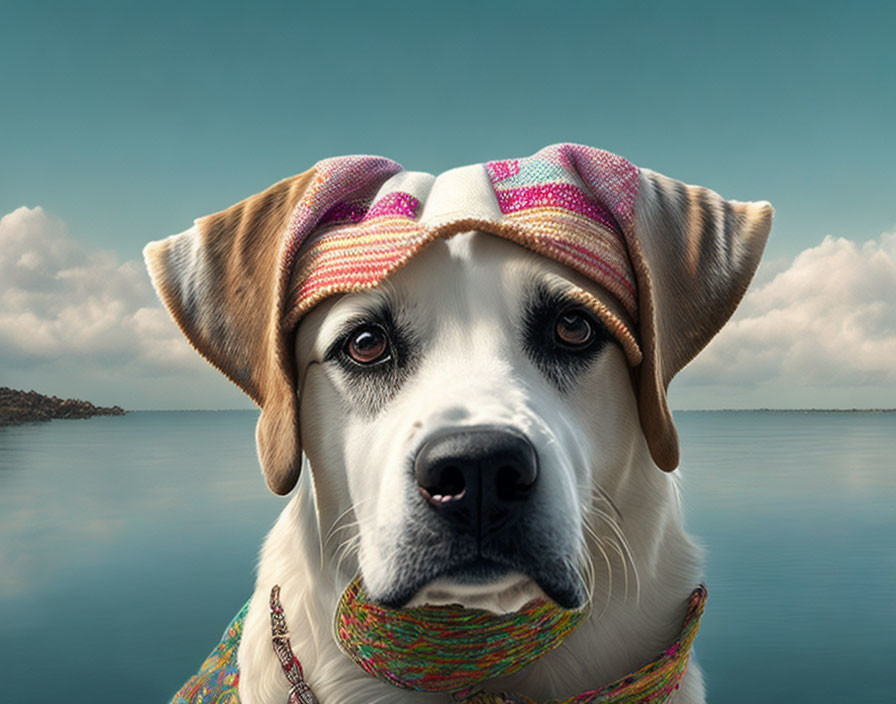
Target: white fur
x=352 y=500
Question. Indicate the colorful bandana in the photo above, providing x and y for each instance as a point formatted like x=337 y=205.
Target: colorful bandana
x=447 y=648
x=219 y=677
x=655 y=683
x=364 y=217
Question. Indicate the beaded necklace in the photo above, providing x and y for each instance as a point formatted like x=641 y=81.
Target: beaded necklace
x=218 y=678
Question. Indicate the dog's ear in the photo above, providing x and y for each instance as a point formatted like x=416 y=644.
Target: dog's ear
x=219 y=281
x=225 y=283
x=694 y=254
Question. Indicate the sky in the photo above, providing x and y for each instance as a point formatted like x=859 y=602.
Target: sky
x=121 y=123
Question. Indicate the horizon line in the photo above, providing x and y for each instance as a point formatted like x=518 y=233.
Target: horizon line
x=674 y=410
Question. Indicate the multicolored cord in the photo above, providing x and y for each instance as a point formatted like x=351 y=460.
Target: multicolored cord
x=299 y=691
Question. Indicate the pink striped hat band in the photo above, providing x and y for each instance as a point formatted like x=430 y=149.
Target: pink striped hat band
x=364 y=217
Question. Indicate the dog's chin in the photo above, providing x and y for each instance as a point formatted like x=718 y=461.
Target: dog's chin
x=487 y=585
x=505 y=594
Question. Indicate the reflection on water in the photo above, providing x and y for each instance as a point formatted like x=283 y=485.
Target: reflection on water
x=126 y=544
x=797 y=512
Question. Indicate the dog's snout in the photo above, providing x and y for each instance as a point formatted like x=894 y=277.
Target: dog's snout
x=477 y=478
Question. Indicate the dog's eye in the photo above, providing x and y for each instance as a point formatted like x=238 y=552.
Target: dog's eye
x=574 y=329
x=368 y=344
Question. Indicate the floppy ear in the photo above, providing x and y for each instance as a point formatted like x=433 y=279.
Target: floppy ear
x=219 y=282
x=224 y=282
x=694 y=255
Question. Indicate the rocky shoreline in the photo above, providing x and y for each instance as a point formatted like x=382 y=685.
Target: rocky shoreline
x=29 y=406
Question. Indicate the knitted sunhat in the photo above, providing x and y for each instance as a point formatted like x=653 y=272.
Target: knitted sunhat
x=359 y=226
x=674 y=261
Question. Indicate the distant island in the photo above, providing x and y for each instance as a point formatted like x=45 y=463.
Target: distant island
x=27 y=406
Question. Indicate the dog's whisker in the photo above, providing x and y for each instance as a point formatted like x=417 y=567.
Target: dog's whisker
x=614 y=527
x=599 y=546
x=336 y=531
x=335 y=524
x=588 y=577
x=347 y=544
x=350 y=543
x=600 y=494
x=585 y=575
x=345 y=549
x=618 y=542
x=625 y=547
x=353 y=507
x=591 y=535
x=624 y=544
x=603 y=494
x=628 y=559
x=615 y=546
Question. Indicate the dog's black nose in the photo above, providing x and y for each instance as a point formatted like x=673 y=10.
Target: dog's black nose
x=477 y=478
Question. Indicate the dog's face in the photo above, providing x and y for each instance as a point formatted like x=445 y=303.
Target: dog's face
x=463 y=399
x=463 y=414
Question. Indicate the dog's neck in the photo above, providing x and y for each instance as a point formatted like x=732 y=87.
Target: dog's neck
x=629 y=625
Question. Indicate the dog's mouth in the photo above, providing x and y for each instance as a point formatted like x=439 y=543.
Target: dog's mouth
x=504 y=594
x=490 y=585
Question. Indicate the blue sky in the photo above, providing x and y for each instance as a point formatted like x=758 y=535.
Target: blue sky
x=125 y=122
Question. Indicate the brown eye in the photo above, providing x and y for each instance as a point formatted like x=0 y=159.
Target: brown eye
x=368 y=344
x=574 y=329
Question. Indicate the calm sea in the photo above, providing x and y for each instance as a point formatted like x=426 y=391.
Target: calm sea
x=126 y=545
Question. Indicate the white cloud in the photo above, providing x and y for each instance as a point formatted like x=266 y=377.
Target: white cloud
x=60 y=300
x=70 y=312
x=826 y=321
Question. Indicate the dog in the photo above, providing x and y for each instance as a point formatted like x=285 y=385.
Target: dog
x=475 y=415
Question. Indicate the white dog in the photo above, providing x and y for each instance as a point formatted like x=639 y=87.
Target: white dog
x=483 y=421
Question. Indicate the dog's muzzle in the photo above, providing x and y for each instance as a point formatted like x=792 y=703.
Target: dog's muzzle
x=479 y=480
x=481 y=514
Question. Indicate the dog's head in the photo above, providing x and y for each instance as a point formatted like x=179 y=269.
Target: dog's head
x=476 y=353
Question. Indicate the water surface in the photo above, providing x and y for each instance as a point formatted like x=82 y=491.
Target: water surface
x=127 y=543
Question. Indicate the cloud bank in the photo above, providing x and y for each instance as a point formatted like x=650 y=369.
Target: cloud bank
x=70 y=314
x=60 y=300
x=819 y=331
